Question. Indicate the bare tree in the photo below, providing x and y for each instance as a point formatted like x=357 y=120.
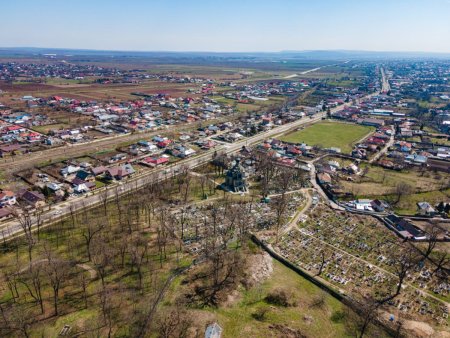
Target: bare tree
x=57 y=271
x=173 y=322
x=32 y=280
x=402 y=189
x=107 y=308
x=182 y=218
x=322 y=262
x=26 y=223
x=203 y=180
x=138 y=250
x=442 y=265
x=20 y=319
x=83 y=281
x=72 y=214
x=405 y=260
x=38 y=214
x=91 y=228
x=267 y=170
x=104 y=199
x=101 y=257
x=280 y=204
x=432 y=232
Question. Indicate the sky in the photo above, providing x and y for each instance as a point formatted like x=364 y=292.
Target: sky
x=227 y=25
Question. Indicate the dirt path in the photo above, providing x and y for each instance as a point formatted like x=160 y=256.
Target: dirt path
x=300 y=213
x=84 y=266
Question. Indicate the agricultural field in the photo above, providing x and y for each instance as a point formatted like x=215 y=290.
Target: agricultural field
x=330 y=134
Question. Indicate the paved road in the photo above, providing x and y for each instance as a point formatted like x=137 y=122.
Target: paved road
x=385 y=148
x=385 y=86
x=12 y=227
x=313 y=70
x=21 y=162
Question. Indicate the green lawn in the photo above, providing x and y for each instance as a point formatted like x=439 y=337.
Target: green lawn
x=330 y=134
x=237 y=318
x=45 y=129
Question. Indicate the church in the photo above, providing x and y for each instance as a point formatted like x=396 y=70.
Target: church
x=235 y=179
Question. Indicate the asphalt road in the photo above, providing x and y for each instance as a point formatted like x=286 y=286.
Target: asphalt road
x=12 y=228
x=385 y=86
x=24 y=161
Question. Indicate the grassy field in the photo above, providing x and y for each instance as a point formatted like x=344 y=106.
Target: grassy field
x=381 y=183
x=45 y=129
x=408 y=204
x=237 y=318
x=330 y=134
x=247 y=107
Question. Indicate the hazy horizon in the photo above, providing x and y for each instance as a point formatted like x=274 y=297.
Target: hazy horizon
x=232 y=26
x=299 y=51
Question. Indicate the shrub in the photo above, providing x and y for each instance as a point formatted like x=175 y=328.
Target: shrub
x=281 y=298
x=338 y=316
x=260 y=313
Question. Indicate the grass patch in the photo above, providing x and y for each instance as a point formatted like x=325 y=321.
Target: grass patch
x=240 y=316
x=330 y=134
x=45 y=129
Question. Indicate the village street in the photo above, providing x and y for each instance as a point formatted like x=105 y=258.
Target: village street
x=12 y=228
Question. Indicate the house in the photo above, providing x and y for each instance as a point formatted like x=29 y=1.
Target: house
x=404 y=147
x=118 y=173
x=182 y=151
x=359 y=153
x=32 y=198
x=7 y=198
x=207 y=144
x=83 y=187
x=117 y=158
x=324 y=178
x=335 y=150
x=386 y=164
x=371 y=122
x=70 y=169
x=99 y=170
x=85 y=175
x=416 y=159
x=353 y=168
x=404 y=228
x=378 y=205
x=439 y=165
x=53 y=187
x=164 y=143
x=155 y=161
x=425 y=209
x=363 y=204
x=293 y=150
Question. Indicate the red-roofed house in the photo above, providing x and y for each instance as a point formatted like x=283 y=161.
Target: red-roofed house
x=155 y=161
